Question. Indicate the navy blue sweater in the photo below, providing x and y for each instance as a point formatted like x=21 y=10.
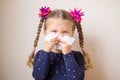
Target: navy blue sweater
x=52 y=66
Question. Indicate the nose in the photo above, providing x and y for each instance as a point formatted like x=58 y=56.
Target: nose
x=60 y=34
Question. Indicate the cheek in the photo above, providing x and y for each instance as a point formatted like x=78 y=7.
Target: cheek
x=46 y=32
x=69 y=34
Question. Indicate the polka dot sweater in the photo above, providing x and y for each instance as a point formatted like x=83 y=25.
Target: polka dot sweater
x=52 y=66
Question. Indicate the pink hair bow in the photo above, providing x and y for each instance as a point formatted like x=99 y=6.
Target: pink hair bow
x=44 y=11
x=76 y=14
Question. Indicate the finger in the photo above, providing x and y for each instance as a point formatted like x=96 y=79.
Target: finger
x=54 y=40
x=62 y=41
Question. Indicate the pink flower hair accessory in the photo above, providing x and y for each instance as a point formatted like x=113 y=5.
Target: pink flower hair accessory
x=76 y=14
x=44 y=11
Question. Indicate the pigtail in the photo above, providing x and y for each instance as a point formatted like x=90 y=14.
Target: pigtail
x=87 y=62
x=30 y=60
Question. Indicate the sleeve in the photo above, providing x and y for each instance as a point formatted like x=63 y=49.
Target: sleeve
x=74 y=65
x=41 y=65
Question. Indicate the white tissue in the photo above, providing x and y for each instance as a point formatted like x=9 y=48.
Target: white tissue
x=50 y=36
x=68 y=40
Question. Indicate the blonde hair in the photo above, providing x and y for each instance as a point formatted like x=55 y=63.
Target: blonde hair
x=58 y=13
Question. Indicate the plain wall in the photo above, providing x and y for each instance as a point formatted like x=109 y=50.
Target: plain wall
x=101 y=26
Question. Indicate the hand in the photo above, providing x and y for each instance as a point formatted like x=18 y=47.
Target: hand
x=49 y=44
x=66 y=48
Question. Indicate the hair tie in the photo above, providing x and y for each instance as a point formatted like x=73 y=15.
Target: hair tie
x=76 y=14
x=44 y=11
x=83 y=50
x=34 y=48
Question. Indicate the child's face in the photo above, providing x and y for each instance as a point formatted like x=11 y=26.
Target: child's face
x=59 y=26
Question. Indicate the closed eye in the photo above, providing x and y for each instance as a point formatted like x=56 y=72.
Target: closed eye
x=54 y=31
x=65 y=32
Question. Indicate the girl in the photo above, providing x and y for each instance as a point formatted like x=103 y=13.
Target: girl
x=51 y=63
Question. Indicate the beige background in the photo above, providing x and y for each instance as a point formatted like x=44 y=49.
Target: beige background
x=101 y=26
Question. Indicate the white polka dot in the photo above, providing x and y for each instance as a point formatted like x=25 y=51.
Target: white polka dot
x=73 y=70
x=38 y=59
x=45 y=53
x=71 y=60
x=68 y=69
x=79 y=73
x=38 y=68
x=43 y=63
x=56 y=71
x=74 y=76
x=64 y=74
x=64 y=58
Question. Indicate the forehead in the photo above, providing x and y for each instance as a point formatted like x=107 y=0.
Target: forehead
x=59 y=23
